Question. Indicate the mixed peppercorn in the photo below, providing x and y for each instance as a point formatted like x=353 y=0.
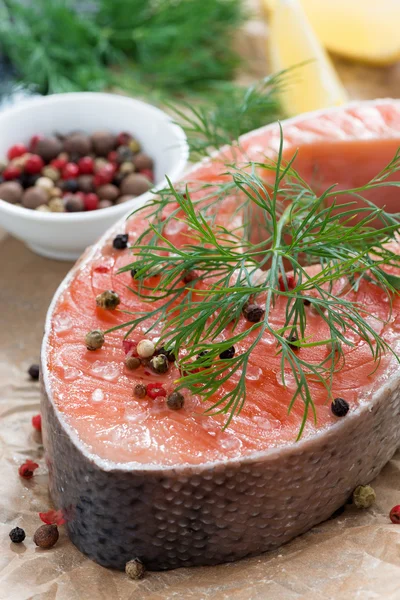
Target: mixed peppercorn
x=340 y=407
x=33 y=372
x=75 y=172
x=17 y=535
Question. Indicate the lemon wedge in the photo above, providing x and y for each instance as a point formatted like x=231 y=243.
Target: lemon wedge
x=313 y=83
x=365 y=30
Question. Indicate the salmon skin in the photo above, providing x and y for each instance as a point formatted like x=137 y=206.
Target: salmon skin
x=135 y=479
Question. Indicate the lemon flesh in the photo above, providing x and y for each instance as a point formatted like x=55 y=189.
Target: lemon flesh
x=364 y=30
x=313 y=83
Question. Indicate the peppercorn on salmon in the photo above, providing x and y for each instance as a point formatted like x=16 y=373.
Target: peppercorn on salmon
x=138 y=477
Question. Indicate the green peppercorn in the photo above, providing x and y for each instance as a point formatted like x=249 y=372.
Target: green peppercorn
x=135 y=569
x=108 y=300
x=94 y=339
x=139 y=390
x=134 y=146
x=364 y=496
x=126 y=168
x=132 y=362
x=175 y=401
x=159 y=363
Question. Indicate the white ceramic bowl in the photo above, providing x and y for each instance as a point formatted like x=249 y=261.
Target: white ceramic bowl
x=64 y=236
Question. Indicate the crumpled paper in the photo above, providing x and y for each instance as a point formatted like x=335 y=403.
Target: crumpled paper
x=355 y=555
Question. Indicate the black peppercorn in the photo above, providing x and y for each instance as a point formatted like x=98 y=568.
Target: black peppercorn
x=202 y=358
x=228 y=353
x=168 y=353
x=118 y=179
x=28 y=180
x=175 y=401
x=253 y=312
x=120 y=241
x=340 y=407
x=69 y=185
x=306 y=302
x=33 y=372
x=17 y=535
x=133 y=273
x=292 y=340
x=124 y=154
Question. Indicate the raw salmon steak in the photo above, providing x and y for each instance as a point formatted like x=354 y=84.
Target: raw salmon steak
x=173 y=487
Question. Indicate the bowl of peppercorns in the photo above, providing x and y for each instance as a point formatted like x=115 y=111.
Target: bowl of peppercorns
x=73 y=164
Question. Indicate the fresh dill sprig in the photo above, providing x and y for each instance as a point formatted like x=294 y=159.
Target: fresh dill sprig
x=300 y=228
x=235 y=111
x=67 y=45
x=175 y=45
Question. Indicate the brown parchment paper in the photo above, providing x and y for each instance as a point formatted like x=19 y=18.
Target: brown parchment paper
x=355 y=556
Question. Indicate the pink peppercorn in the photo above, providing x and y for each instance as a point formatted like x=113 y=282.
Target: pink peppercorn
x=86 y=165
x=34 y=164
x=395 y=514
x=123 y=138
x=27 y=469
x=59 y=163
x=155 y=389
x=70 y=171
x=16 y=151
x=11 y=172
x=91 y=201
x=37 y=422
x=33 y=142
x=53 y=517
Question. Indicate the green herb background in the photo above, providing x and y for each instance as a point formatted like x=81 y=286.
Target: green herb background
x=166 y=51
